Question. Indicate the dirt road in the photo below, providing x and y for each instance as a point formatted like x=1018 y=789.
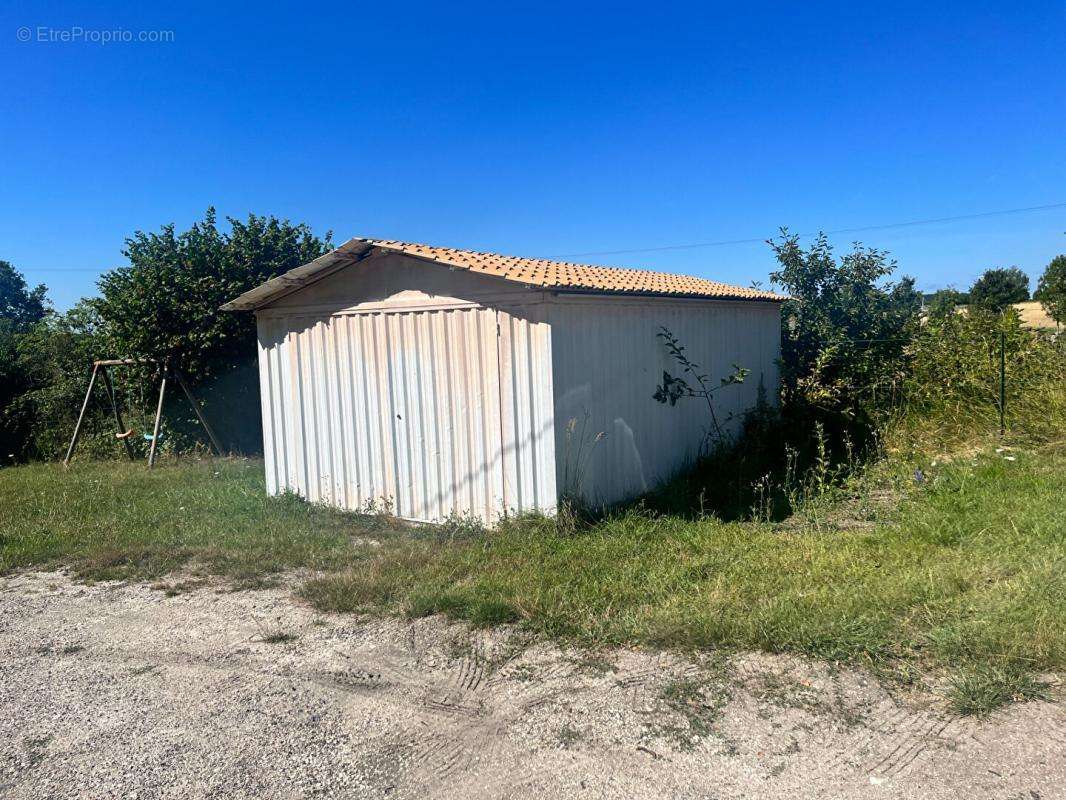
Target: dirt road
x=124 y=691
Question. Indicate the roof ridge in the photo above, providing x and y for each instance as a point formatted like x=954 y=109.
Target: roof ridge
x=442 y=253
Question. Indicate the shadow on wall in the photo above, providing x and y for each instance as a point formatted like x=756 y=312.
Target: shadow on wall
x=231 y=404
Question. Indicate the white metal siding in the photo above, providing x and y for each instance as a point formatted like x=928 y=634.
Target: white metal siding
x=433 y=412
x=526 y=410
x=440 y=392
x=607 y=363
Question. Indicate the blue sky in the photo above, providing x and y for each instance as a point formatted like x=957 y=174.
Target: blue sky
x=541 y=129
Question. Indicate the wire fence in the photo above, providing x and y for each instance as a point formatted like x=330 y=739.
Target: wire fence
x=986 y=370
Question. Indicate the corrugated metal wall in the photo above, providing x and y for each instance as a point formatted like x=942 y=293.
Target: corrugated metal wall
x=607 y=363
x=433 y=412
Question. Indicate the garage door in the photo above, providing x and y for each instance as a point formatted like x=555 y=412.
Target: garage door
x=426 y=413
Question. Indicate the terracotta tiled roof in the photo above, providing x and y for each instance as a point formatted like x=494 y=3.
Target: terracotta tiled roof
x=525 y=271
x=563 y=274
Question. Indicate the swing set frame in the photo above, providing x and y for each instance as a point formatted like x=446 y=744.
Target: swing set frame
x=166 y=371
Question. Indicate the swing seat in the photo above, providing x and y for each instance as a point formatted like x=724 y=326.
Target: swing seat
x=148 y=437
x=125 y=435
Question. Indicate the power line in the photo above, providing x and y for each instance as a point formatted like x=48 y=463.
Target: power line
x=68 y=269
x=762 y=239
x=723 y=242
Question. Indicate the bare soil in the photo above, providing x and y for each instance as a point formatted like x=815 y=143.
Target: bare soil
x=190 y=690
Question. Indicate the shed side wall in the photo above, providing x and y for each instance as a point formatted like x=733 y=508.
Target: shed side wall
x=607 y=361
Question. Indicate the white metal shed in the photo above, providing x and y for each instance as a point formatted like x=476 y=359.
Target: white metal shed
x=436 y=381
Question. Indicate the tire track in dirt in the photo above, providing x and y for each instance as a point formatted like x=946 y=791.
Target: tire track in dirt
x=913 y=744
x=458 y=693
x=474 y=755
x=431 y=709
x=906 y=738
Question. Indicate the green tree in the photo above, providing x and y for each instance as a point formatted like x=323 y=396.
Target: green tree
x=846 y=326
x=12 y=384
x=945 y=301
x=1051 y=290
x=53 y=357
x=999 y=288
x=164 y=305
x=20 y=306
x=20 y=309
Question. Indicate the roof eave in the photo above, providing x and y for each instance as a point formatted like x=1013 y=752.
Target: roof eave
x=297 y=278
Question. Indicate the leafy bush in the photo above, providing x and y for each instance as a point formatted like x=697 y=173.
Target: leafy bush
x=953 y=377
x=859 y=370
x=54 y=357
x=12 y=385
x=165 y=306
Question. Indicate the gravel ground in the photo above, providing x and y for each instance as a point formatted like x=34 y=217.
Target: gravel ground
x=124 y=691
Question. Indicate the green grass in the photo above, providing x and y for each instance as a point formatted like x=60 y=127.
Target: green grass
x=116 y=520
x=969 y=578
x=979 y=688
x=966 y=579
